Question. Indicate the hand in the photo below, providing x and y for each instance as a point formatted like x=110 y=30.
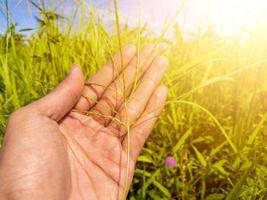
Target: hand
x=81 y=141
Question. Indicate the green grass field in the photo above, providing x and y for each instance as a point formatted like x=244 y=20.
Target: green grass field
x=215 y=118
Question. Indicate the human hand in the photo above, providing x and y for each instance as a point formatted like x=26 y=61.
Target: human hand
x=81 y=141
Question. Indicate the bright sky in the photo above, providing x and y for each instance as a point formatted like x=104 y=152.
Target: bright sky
x=227 y=16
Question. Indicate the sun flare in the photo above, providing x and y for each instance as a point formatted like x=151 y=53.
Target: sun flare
x=227 y=17
x=234 y=16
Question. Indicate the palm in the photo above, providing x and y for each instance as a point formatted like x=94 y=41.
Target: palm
x=97 y=159
x=101 y=162
x=77 y=134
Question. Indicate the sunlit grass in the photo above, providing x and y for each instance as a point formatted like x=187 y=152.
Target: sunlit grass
x=214 y=122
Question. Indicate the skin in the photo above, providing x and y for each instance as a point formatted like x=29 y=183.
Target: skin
x=73 y=143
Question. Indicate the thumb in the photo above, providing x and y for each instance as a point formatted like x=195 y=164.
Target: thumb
x=63 y=98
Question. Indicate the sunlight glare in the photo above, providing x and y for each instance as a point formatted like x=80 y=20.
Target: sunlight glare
x=227 y=17
x=235 y=16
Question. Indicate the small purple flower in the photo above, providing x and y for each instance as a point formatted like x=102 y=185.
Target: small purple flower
x=170 y=162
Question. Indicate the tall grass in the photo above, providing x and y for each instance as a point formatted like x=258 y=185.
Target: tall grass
x=214 y=122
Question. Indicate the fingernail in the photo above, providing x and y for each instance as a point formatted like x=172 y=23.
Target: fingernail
x=73 y=68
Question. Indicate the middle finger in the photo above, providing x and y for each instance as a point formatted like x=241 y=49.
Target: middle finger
x=121 y=87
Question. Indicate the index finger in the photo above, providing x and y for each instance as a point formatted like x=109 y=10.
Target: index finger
x=97 y=84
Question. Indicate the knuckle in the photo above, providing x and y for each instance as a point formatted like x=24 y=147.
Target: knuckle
x=71 y=92
x=129 y=114
x=133 y=110
x=93 y=90
x=111 y=100
x=137 y=99
x=150 y=80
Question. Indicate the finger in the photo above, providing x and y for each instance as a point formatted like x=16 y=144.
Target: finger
x=97 y=84
x=63 y=98
x=130 y=111
x=121 y=87
x=142 y=128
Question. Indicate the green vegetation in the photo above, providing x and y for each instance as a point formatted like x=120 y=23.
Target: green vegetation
x=215 y=119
